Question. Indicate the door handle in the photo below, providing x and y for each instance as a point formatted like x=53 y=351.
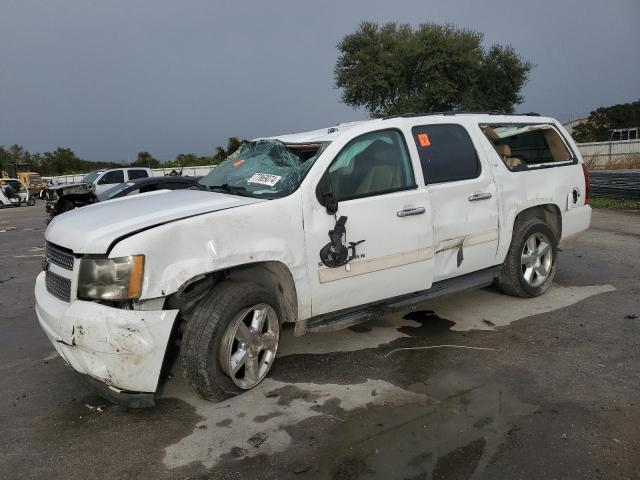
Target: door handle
x=408 y=211
x=479 y=196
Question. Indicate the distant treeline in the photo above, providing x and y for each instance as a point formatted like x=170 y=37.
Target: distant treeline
x=63 y=161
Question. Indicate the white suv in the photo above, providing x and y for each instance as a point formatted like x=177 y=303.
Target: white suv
x=323 y=229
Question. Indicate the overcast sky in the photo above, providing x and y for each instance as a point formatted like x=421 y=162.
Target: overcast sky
x=109 y=78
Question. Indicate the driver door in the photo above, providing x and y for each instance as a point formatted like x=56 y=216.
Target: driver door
x=108 y=180
x=372 y=178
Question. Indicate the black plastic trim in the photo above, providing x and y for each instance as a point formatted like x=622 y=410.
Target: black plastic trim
x=123 y=398
x=363 y=313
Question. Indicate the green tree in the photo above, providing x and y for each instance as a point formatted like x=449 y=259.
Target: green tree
x=233 y=143
x=604 y=119
x=394 y=68
x=145 y=159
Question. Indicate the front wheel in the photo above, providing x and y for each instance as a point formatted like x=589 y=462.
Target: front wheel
x=231 y=340
x=530 y=265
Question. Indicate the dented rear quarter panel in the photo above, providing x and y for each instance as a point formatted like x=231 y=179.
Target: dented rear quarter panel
x=520 y=190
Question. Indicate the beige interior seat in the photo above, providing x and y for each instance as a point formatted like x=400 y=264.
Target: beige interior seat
x=382 y=168
x=505 y=153
x=379 y=179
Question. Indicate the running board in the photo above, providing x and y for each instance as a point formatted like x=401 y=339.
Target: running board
x=353 y=316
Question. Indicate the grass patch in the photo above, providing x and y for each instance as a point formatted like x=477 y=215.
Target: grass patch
x=611 y=202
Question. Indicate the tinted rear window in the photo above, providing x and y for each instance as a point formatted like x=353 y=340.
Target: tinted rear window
x=133 y=174
x=446 y=153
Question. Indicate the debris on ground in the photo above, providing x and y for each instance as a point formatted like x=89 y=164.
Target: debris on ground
x=488 y=322
x=302 y=469
x=438 y=346
x=336 y=418
x=631 y=316
x=98 y=409
x=257 y=440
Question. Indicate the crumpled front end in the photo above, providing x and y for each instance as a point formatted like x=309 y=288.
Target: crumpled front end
x=124 y=349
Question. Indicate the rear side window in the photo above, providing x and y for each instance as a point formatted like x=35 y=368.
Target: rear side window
x=114 y=176
x=520 y=145
x=133 y=174
x=446 y=153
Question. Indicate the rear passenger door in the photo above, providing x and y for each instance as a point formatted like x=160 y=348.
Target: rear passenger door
x=463 y=199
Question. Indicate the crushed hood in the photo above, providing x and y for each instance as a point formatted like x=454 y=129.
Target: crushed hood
x=92 y=229
x=71 y=187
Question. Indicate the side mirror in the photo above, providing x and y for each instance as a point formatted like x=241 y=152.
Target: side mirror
x=325 y=195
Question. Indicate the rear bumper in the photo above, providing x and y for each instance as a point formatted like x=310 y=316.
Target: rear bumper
x=124 y=349
x=575 y=221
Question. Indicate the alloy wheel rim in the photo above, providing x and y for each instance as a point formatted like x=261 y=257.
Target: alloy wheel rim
x=536 y=259
x=249 y=345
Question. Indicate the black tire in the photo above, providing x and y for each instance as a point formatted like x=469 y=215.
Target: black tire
x=511 y=279
x=204 y=332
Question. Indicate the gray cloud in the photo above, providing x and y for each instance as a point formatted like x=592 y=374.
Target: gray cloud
x=111 y=78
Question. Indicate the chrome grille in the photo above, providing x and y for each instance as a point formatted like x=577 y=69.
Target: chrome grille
x=58 y=286
x=58 y=256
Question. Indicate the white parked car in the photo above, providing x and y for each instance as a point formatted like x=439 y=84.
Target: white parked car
x=67 y=196
x=323 y=229
x=14 y=193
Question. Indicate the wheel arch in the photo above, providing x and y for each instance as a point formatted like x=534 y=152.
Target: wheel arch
x=548 y=212
x=275 y=276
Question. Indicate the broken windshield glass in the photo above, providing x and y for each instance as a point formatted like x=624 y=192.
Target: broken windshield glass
x=263 y=168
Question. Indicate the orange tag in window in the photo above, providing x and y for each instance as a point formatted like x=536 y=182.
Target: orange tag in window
x=238 y=163
x=423 y=140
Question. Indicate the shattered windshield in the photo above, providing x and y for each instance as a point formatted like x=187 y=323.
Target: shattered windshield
x=90 y=177
x=263 y=169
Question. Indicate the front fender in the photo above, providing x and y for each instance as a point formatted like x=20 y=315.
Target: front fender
x=263 y=232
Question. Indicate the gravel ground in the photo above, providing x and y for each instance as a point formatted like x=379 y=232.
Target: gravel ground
x=550 y=388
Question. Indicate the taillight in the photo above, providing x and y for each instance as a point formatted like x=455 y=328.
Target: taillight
x=587 y=186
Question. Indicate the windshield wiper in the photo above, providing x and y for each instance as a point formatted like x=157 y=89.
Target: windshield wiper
x=226 y=188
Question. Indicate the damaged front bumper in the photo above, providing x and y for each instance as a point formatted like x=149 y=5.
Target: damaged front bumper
x=123 y=349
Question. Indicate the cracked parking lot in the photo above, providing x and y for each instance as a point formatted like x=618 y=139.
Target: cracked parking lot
x=476 y=385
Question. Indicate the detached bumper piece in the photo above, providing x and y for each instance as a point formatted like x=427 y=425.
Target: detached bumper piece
x=121 y=397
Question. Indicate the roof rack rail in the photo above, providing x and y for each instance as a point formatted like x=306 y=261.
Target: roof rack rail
x=529 y=114
x=450 y=112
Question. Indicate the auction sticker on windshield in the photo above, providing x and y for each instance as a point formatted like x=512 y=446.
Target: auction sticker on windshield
x=264 y=179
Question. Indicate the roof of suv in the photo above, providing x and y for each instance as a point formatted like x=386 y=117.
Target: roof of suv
x=329 y=134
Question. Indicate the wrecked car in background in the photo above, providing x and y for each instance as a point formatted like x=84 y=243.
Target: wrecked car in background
x=65 y=197
x=141 y=185
x=324 y=229
x=14 y=193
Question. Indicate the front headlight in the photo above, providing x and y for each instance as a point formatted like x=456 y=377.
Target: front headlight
x=111 y=278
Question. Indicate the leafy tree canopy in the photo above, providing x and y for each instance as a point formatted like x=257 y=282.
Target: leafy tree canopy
x=63 y=161
x=394 y=68
x=604 y=119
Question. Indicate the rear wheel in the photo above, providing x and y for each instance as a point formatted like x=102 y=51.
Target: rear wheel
x=231 y=340
x=530 y=265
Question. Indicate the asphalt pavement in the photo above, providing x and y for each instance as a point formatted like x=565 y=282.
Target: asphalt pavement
x=473 y=386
